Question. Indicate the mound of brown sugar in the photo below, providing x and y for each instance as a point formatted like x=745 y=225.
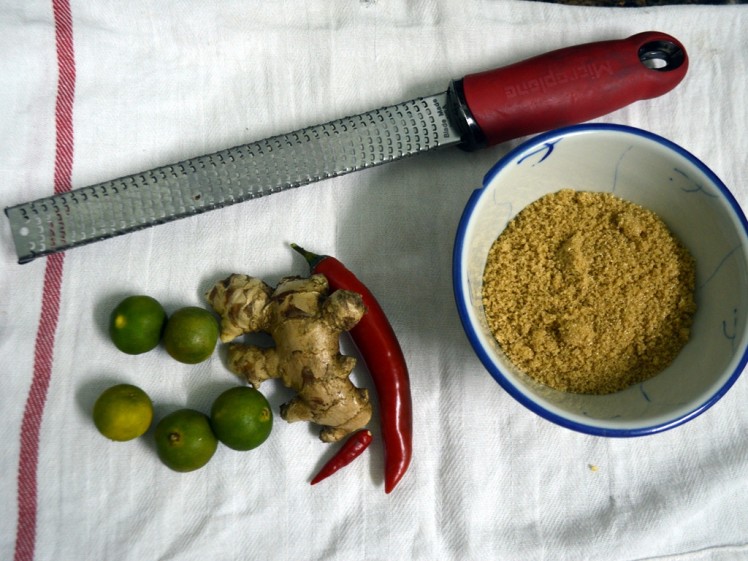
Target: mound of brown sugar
x=588 y=293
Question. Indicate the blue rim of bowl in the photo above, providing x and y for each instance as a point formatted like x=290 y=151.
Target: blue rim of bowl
x=460 y=297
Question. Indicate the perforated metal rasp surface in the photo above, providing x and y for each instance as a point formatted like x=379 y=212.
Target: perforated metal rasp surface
x=230 y=176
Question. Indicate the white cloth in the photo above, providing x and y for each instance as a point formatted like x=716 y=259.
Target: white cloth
x=158 y=82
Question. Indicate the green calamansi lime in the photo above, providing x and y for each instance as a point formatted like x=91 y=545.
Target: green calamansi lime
x=136 y=324
x=184 y=440
x=241 y=418
x=191 y=335
x=123 y=412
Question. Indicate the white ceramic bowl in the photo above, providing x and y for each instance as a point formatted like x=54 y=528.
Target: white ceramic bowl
x=646 y=169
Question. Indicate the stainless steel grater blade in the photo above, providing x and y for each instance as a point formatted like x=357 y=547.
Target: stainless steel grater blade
x=559 y=88
x=230 y=176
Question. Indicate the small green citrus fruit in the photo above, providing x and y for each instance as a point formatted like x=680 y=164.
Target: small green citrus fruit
x=241 y=418
x=191 y=335
x=136 y=324
x=123 y=412
x=184 y=440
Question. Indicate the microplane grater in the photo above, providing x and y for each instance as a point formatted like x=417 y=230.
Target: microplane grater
x=543 y=92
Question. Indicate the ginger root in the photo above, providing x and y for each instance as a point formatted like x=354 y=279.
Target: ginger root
x=305 y=322
x=240 y=301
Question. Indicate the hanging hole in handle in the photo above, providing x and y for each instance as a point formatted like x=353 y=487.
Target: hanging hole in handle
x=661 y=55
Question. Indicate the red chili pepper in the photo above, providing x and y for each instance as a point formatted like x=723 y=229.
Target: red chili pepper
x=380 y=349
x=351 y=449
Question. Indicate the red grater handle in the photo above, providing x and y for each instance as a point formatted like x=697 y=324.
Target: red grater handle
x=573 y=85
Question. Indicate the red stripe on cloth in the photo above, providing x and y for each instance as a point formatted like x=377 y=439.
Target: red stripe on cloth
x=65 y=93
x=32 y=415
x=50 y=307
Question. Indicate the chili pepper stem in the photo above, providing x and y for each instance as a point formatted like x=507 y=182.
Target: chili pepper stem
x=312 y=258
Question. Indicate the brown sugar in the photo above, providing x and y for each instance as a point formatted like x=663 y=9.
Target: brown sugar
x=588 y=293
